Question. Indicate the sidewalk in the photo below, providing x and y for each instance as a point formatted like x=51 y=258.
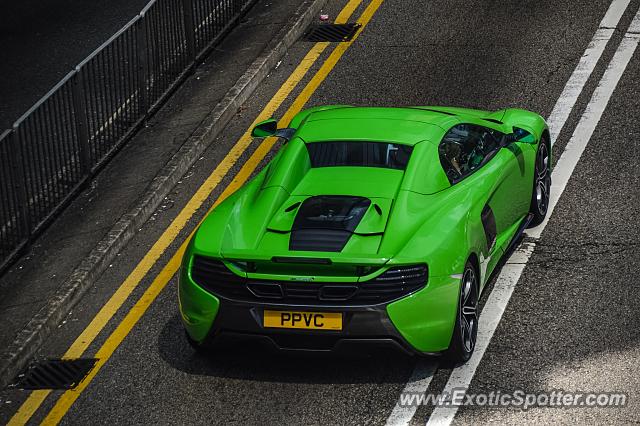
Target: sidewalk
x=31 y=286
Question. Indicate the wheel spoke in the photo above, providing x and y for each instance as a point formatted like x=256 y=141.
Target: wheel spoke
x=469 y=311
x=542 y=196
x=467 y=284
x=542 y=162
x=545 y=191
x=542 y=174
x=466 y=334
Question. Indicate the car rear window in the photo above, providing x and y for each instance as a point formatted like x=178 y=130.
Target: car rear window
x=359 y=154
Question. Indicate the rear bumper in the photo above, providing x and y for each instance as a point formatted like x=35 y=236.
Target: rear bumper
x=363 y=329
x=418 y=323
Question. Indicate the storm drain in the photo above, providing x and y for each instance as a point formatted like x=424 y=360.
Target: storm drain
x=54 y=374
x=331 y=32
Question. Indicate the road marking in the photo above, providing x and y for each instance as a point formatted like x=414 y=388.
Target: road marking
x=489 y=320
x=509 y=274
x=134 y=315
x=162 y=279
x=587 y=124
x=585 y=67
x=497 y=302
x=88 y=335
x=417 y=384
x=133 y=280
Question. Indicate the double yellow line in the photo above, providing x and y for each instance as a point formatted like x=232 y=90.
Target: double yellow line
x=106 y=313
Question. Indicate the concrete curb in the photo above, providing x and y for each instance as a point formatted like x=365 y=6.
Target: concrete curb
x=31 y=337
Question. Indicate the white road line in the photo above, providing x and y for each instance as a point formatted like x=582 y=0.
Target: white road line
x=583 y=70
x=492 y=312
x=512 y=270
x=489 y=320
x=585 y=128
x=417 y=384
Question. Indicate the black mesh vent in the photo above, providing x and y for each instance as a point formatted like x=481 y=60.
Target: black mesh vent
x=318 y=240
x=391 y=285
x=331 y=32
x=213 y=276
x=54 y=374
x=326 y=222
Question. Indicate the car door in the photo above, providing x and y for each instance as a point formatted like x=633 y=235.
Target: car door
x=471 y=156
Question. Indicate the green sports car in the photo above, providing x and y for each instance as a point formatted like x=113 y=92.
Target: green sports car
x=370 y=226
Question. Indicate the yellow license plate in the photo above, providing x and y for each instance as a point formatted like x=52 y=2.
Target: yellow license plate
x=308 y=320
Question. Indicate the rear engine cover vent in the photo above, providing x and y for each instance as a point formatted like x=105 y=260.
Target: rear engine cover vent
x=331 y=32
x=54 y=374
x=326 y=222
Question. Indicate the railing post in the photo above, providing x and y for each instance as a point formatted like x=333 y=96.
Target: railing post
x=19 y=184
x=189 y=29
x=142 y=42
x=81 y=121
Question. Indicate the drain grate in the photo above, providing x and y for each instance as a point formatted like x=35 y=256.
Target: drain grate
x=331 y=32
x=54 y=374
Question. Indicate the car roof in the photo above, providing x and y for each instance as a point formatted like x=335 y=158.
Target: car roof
x=408 y=125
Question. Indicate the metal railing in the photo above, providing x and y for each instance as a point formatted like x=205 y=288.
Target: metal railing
x=56 y=146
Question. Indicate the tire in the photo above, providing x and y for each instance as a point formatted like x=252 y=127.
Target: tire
x=463 y=341
x=195 y=345
x=541 y=184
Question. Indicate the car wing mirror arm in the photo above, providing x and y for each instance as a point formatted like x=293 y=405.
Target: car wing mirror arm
x=518 y=135
x=507 y=140
x=286 y=133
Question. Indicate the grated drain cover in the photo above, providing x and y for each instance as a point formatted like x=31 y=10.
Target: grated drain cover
x=331 y=32
x=54 y=374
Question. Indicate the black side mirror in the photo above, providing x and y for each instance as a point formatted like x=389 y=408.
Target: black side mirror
x=265 y=128
x=518 y=135
x=269 y=127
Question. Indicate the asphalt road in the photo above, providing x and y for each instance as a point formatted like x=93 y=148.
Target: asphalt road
x=571 y=323
x=42 y=40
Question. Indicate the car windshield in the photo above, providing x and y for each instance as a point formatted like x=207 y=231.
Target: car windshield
x=359 y=154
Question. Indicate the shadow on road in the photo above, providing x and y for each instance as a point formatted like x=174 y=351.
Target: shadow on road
x=253 y=363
